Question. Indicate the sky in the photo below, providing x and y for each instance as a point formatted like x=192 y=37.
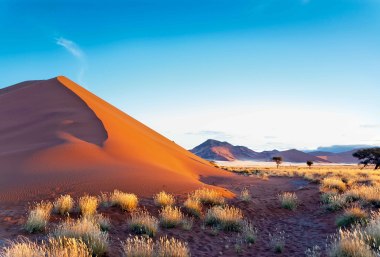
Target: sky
x=267 y=74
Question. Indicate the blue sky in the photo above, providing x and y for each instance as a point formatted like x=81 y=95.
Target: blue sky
x=262 y=73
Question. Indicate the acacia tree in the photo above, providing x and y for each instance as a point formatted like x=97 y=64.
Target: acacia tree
x=277 y=160
x=368 y=156
x=309 y=163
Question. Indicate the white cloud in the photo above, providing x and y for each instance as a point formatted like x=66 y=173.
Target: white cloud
x=75 y=51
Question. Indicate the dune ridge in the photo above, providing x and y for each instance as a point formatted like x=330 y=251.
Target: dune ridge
x=73 y=141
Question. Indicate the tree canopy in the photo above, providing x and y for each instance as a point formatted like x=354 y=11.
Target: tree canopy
x=278 y=160
x=368 y=156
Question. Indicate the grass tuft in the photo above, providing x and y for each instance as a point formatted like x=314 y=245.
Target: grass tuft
x=38 y=217
x=353 y=215
x=143 y=223
x=208 y=196
x=245 y=195
x=193 y=206
x=126 y=201
x=163 y=199
x=63 y=204
x=171 y=217
x=88 y=205
x=288 y=200
x=277 y=241
x=225 y=218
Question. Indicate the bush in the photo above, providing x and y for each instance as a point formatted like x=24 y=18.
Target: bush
x=288 y=200
x=351 y=216
x=163 y=199
x=208 y=196
x=334 y=184
x=193 y=206
x=62 y=247
x=226 y=218
x=277 y=241
x=38 y=217
x=64 y=204
x=143 y=223
x=171 y=217
x=126 y=201
x=245 y=195
x=87 y=230
x=349 y=244
x=88 y=205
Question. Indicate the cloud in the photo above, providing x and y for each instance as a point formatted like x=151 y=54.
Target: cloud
x=210 y=133
x=75 y=51
x=370 y=126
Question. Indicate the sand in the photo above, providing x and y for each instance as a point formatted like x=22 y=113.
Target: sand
x=56 y=137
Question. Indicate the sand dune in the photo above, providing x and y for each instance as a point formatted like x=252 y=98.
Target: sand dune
x=57 y=137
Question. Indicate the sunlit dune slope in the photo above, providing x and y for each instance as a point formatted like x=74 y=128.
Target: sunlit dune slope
x=57 y=137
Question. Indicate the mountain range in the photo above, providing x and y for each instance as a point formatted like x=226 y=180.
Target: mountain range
x=215 y=150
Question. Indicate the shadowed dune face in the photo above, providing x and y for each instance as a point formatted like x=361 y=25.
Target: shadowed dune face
x=59 y=137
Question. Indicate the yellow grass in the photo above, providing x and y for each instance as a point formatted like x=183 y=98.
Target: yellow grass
x=171 y=217
x=171 y=247
x=193 y=206
x=64 y=204
x=138 y=247
x=334 y=184
x=351 y=216
x=88 y=205
x=143 y=223
x=164 y=199
x=226 y=218
x=85 y=229
x=38 y=217
x=62 y=247
x=208 y=196
x=126 y=201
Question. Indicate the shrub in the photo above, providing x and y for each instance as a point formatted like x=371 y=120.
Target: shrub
x=171 y=247
x=288 y=200
x=126 y=201
x=145 y=247
x=87 y=230
x=351 y=216
x=61 y=247
x=245 y=195
x=349 y=244
x=249 y=232
x=193 y=206
x=277 y=241
x=64 y=204
x=38 y=217
x=143 y=223
x=171 y=217
x=208 y=196
x=163 y=199
x=226 y=218
x=138 y=247
x=334 y=184
x=333 y=201
x=88 y=205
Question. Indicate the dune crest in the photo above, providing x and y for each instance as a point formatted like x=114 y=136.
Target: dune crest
x=62 y=138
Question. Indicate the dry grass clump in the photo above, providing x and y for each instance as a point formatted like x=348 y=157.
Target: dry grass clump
x=126 y=201
x=63 y=204
x=245 y=195
x=171 y=247
x=349 y=244
x=353 y=215
x=249 y=232
x=372 y=231
x=193 y=206
x=277 y=241
x=315 y=251
x=143 y=223
x=334 y=201
x=104 y=199
x=171 y=217
x=163 y=199
x=88 y=205
x=332 y=183
x=145 y=247
x=103 y=222
x=138 y=247
x=288 y=200
x=61 y=247
x=38 y=217
x=208 y=196
x=227 y=218
x=87 y=230
x=369 y=194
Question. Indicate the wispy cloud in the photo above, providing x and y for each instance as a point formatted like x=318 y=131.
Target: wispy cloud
x=75 y=51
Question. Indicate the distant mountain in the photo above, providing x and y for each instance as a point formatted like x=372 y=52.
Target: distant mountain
x=344 y=157
x=339 y=148
x=223 y=151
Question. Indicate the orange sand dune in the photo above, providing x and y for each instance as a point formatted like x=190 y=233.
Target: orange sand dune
x=56 y=137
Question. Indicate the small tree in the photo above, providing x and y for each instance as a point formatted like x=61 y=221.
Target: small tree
x=277 y=160
x=309 y=163
x=368 y=156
